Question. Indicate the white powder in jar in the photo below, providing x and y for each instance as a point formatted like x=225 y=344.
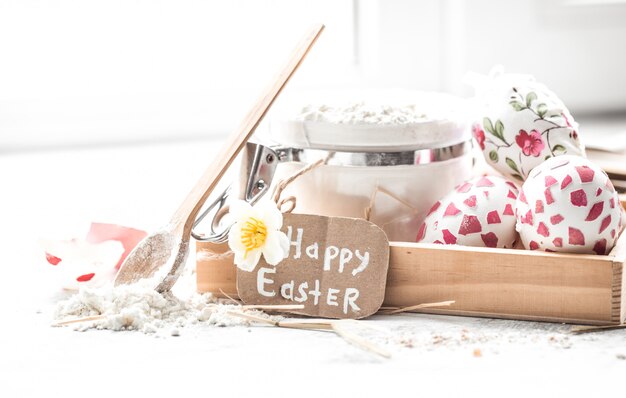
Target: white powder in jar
x=362 y=113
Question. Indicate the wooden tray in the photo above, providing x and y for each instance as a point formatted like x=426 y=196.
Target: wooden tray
x=513 y=284
x=497 y=283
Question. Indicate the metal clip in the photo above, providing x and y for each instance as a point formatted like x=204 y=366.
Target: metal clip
x=258 y=166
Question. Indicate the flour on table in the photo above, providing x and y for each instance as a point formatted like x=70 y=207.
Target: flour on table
x=362 y=113
x=139 y=307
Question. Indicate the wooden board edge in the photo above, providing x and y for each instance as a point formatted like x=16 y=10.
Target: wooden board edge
x=516 y=317
x=618 y=302
x=618 y=253
x=618 y=295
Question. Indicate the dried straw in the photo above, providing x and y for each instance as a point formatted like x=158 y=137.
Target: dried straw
x=79 y=320
x=236 y=302
x=391 y=310
x=268 y=307
x=315 y=324
x=367 y=211
x=251 y=317
x=593 y=329
x=359 y=341
x=337 y=326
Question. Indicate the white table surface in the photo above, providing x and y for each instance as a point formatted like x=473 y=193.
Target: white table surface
x=44 y=193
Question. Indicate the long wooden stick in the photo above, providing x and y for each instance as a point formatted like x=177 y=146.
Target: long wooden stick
x=390 y=311
x=79 y=320
x=337 y=326
x=355 y=339
x=269 y=307
x=252 y=318
x=316 y=324
x=309 y=324
x=191 y=206
x=593 y=329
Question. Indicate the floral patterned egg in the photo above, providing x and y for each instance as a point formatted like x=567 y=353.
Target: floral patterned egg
x=479 y=212
x=568 y=204
x=521 y=124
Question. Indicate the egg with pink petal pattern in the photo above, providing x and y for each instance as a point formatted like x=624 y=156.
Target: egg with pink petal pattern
x=479 y=212
x=568 y=204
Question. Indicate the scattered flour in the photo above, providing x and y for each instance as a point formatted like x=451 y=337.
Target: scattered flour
x=139 y=307
x=486 y=336
x=362 y=113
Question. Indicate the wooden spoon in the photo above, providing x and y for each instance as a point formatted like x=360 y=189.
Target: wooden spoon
x=170 y=245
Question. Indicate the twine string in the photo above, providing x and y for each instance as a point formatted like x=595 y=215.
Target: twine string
x=291 y=201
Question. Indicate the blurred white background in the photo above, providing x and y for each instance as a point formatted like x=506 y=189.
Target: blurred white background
x=83 y=72
x=83 y=81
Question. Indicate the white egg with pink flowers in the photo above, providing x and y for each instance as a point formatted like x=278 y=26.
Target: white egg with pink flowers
x=568 y=204
x=521 y=124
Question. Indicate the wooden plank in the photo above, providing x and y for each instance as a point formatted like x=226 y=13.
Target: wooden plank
x=503 y=283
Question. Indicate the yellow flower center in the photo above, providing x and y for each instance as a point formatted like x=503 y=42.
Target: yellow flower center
x=253 y=234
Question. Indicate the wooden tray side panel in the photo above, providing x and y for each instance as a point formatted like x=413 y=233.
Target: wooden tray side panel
x=215 y=270
x=619 y=284
x=504 y=283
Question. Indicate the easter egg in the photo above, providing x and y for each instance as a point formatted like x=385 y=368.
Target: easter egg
x=479 y=212
x=568 y=204
x=521 y=123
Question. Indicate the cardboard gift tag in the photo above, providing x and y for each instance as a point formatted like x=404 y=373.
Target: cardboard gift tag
x=337 y=268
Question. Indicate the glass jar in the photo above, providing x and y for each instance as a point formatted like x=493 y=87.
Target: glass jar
x=390 y=174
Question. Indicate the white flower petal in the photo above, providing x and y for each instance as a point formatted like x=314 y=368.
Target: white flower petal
x=234 y=239
x=284 y=242
x=238 y=258
x=249 y=262
x=269 y=213
x=239 y=210
x=273 y=251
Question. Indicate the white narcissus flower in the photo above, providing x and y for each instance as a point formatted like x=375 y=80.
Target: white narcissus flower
x=257 y=231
